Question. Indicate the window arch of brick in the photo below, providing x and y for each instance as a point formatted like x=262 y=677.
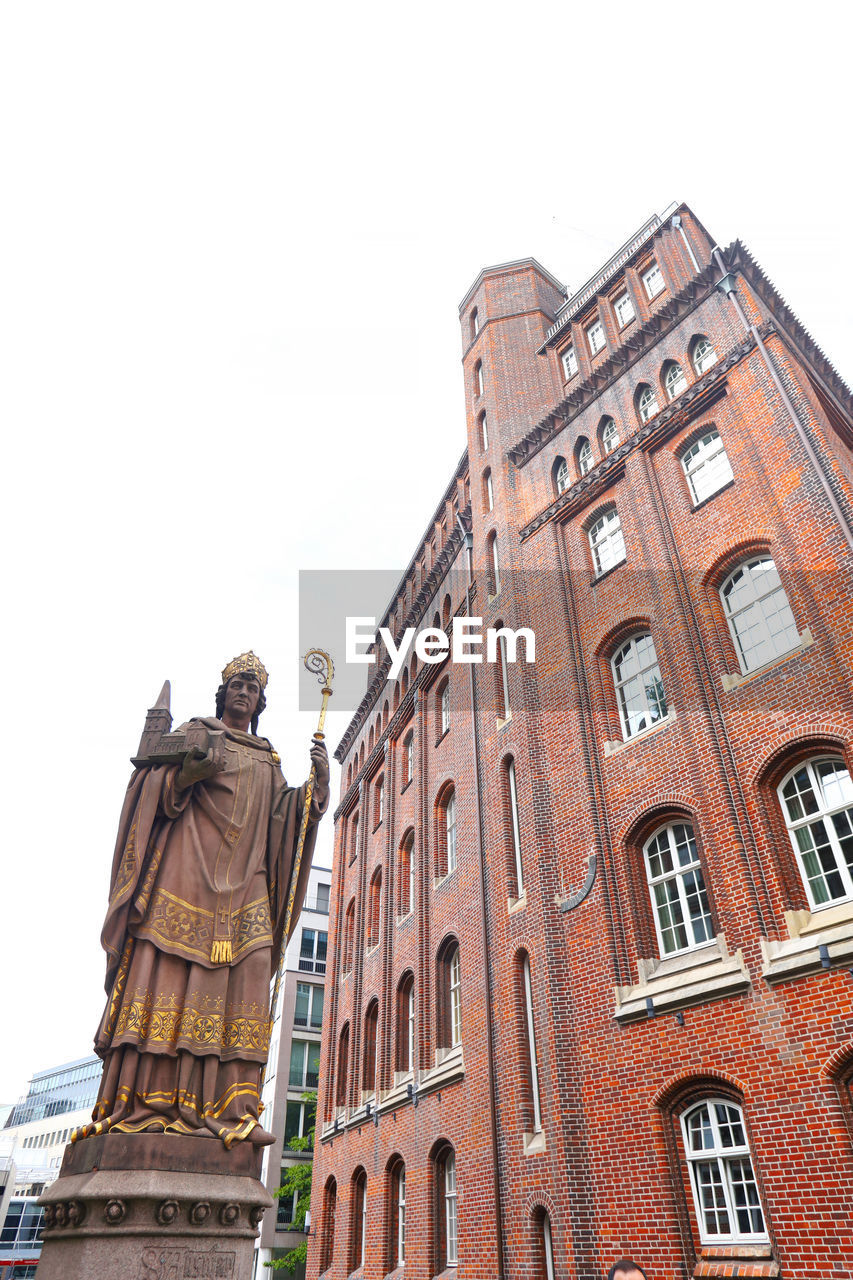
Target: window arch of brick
x=609 y=645
x=370 y=1063
x=327 y=1227
x=782 y=762
x=703 y=354
x=584 y=457
x=348 y=951
x=358 y=1216
x=560 y=477
x=448 y=993
x=446 y=819
x=711 y=603
x=374 y=909
x=342 y=1068
x=646 y=402
x=478 y=378
x=406 y=874
x=607 y=435
x=443 y=1189
x=404 y=1028
x=673 y=380
x=652 y=820
x=839 y=1070
x=541 y=1243
x=395 y=1200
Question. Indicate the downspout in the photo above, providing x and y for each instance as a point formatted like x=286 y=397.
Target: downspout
x=676 y=222
x=726 y=285
x=468 y=539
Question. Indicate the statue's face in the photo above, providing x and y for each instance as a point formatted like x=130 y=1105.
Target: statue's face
x=241 y=697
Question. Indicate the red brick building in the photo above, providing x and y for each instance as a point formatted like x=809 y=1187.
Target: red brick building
x=592 y=917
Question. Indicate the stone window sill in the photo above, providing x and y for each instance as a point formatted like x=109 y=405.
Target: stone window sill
x=502 y=723
x=442 y=880
x=735 y=1260
x=406 y=918
x=613 y=748
x=516 y=904
x=449 y=1066
x=534 y=1143
x=830 y=929
x=694 y=977
x=734 y=679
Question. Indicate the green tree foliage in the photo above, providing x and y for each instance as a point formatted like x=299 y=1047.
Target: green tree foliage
x=298 y=1180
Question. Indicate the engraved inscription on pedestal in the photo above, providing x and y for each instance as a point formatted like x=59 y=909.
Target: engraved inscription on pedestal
x=185 y=1263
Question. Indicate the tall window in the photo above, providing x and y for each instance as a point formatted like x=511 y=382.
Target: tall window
x=562 y=479
x=408 y=758
x=406 y=876
x=349 y=938
x=304 y=1064
x=380 y=800
x=373 y=908
x=405 y=1046
x=309 y=1005
x=503 y=676
x=674 y=380
x=595 y=337
x=706 y=466
x=758 y=612
x=585 y=458
x=569 y=362
x=484 y=432
x=448 y=831
x=343 y=1067
x=653 y=281
x=531 y=1046
x=445 y=1182
x=725 y=1193
x=455 y=992
x=677 y=888
x=515 y=828
x=639 y=687
x=353 y=842
x=609 y=435
x=647 y=402
x=488 y=492
x=327 y=1238
x=479 y=384
x=398 y=1214
x=371 y=1032
x=299 y=1119
x=624 y=308
x=704 y=356
x=548 y=1247
x=359 y=1220
x=817 y=801
x=444 y=707
x=606 y=542
x=475 y=322
x=312 y=951
x=494 y=566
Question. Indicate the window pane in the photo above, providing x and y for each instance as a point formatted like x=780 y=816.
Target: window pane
x=760 y=616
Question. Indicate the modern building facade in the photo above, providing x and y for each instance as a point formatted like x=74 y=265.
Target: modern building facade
x=294 y=1063
x=589 y=989
x=32 y=1144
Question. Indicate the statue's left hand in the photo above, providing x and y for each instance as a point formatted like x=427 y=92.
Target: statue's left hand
x=320 y=761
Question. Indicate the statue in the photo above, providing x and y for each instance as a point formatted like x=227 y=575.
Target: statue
x=196 y=921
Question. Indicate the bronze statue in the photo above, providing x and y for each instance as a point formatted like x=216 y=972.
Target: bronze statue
x=197 y=918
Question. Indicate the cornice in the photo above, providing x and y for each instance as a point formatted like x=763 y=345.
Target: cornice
x=510 y=268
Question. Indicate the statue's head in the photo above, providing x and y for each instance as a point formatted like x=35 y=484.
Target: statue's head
x=247 y=678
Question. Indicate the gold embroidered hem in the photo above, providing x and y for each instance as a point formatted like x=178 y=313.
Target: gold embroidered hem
x=188 y=930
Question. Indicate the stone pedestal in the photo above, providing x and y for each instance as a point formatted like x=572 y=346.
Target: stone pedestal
x=151 y=1206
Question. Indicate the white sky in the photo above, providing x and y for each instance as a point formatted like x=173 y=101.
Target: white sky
x=233 y=243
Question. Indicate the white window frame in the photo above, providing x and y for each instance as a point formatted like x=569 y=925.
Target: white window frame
x=313 y=989
x=380 y=800
x=653 y=281
x=531 y=1047
x=814 y=862
x=675 y=380
x=504 y=677
x=586 y=459
x=454 y=996
x=489 y=491
x=515 y=827
x=496 y=568
x=570 y=363
x=671 y=891
x=606 y=542
x=450 y=831
x=478 y=374
x=401 y=1215
x=722 y=1161
x=702 y=348
x=410 y=1027
x=408 y=755
x=563 y=478
x=484 y=432
x=638 y=682
x=624 y=309
x=450 y=1209
x=647 y=404
x=706 y=466
x=445 y=708
x=609 y=436
x=596 y=339
x=762 y=608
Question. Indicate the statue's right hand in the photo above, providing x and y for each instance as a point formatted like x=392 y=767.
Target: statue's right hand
x=197 y=766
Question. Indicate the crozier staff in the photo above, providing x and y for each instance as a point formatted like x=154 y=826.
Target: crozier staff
x=196 y=921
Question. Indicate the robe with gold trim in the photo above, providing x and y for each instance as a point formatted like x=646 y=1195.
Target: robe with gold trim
x=193 y=932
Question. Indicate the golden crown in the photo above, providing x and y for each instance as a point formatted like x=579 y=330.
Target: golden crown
x=248 y=664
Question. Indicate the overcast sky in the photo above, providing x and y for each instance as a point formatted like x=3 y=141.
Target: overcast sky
x=234 y=239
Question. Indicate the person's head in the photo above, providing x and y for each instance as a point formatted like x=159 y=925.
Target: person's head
x=240 y=697
x=626 y=1269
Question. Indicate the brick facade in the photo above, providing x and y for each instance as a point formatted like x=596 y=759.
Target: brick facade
x=748 y=1007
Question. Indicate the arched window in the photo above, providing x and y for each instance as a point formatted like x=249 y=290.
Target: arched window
x=479 y=384
x=547 y=1248
x=343 y=1067
x=405 y=1046
x=475 y=322
x=406 y=876
x=445 y=1215
x=379 y=794
x=398 y=1214
x=677 y=887
x=639 y=687
x=817 y=801
x=443 y=708
x=606 y=542
x=408 y=757
x=494 y=568
x=609 y=435
x=702 y=354
x=647 y=402
x=503 y=676
x=725 y=1192
x=371 y=1033
x=446 y=844
x=515 y=828
x=327 y=1236
x=706 y=466
x=532 y=1063
x=584 y=456
x=484 y=432
x=353 y=842
x=448 y=996
x=349 y=938
x=358 y=1234
x=374 y=901
x=758 y=613
x=562 y=480
x=488 y=492
x=674 y=380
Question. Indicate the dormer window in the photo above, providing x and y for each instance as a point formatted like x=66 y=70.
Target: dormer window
x=595 y=338
x=570 y=363
x=624 y=308
x=653 y=281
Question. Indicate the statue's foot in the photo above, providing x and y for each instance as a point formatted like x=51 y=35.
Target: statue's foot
x=260 y=1137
